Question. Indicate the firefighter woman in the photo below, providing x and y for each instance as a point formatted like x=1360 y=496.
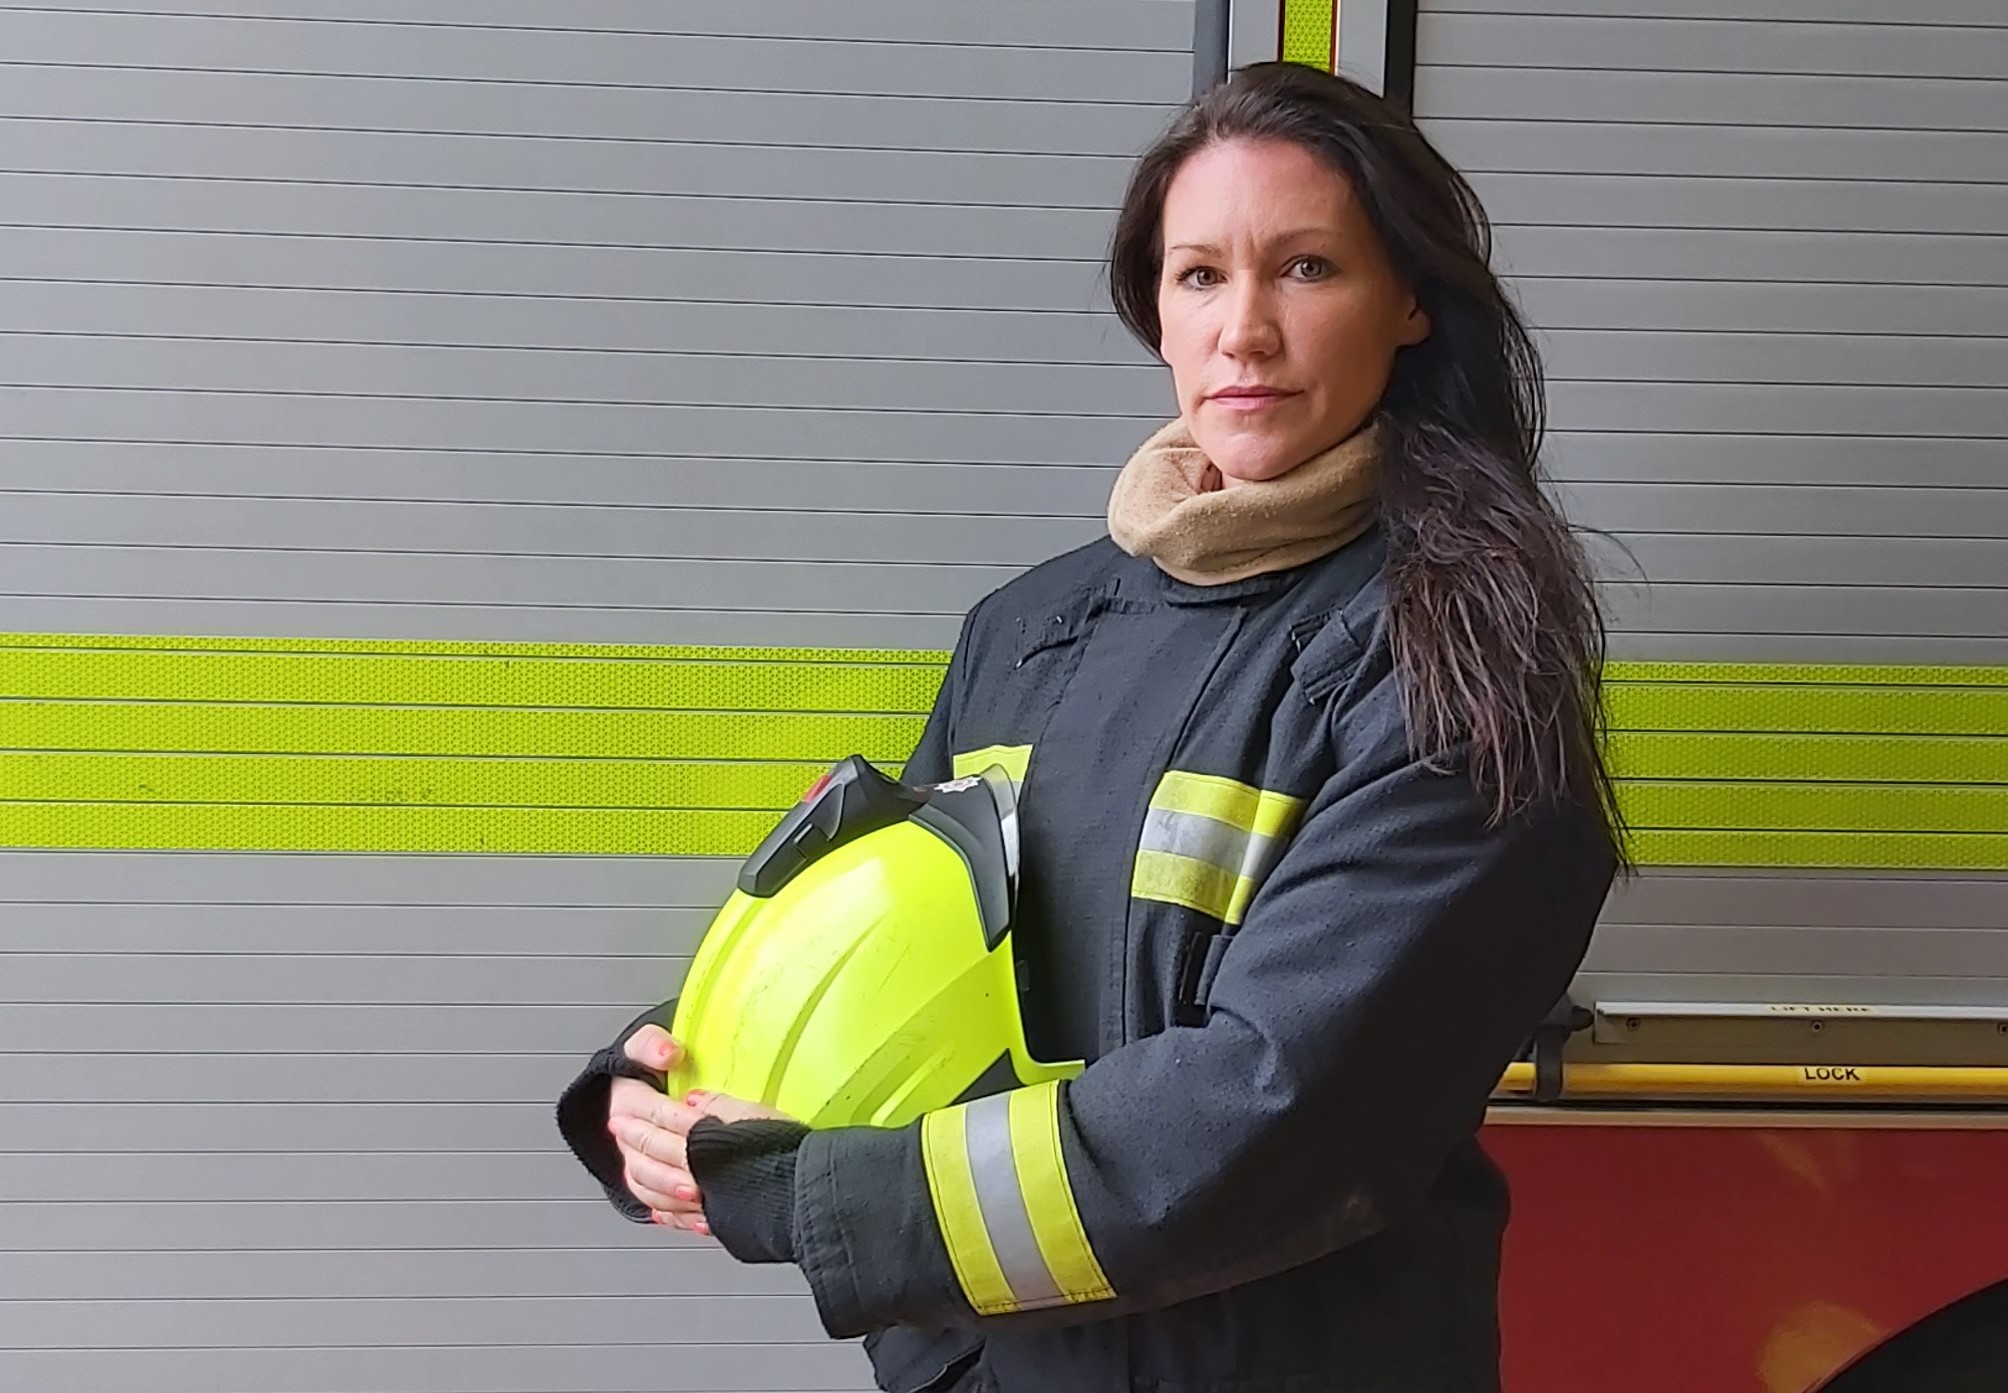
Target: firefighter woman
x=1314 y=827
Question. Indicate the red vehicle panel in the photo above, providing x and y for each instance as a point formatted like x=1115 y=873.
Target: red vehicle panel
x=1736 y=1259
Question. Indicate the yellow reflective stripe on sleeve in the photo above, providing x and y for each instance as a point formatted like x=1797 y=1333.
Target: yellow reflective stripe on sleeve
x=1208 y=843
x=1251 y=809
x=1014 y=759
x=944 y=1147
x=1049 y=1198
x=1160 y=875
x=1008 y=1218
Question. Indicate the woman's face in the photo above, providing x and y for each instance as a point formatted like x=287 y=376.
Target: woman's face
x=1280 y=313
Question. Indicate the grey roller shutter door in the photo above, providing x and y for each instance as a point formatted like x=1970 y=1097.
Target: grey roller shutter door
x=750 y=322
x=1763 y=244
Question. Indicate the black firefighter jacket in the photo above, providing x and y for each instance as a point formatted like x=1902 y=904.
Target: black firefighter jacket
x=1298 y=961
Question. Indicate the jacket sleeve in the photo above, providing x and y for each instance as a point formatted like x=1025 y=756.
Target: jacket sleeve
x=1385 y=975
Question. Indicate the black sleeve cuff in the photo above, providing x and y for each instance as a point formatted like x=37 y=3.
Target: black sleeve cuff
x=582 y=1111
x=746 y=1173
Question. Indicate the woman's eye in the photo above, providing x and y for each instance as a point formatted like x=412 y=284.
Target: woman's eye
x=1311 y=268
x=1199 y=278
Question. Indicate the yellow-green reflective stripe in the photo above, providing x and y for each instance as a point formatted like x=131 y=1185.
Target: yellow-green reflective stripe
x=1160 y=875
x=1309 y=27
x=1014 y=760
x=1814 y=807
x=1917 y=759
x=1821 y=674
x=468 y=831
x=1919 y=851
x=1720 y=764
x=1863 y=710
x=944 y=1147
x=1227 y=800
x=1049 y=1197
x=403 y=782
x=432 y=680
x=408 y=730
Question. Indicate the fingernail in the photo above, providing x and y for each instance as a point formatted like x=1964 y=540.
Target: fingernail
x=685 y=1192
x=701 y=1227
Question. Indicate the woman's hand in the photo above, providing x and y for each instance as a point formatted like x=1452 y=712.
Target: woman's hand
x=649 y=1127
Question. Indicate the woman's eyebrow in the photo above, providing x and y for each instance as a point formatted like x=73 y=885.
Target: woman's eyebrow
x=1294 y=234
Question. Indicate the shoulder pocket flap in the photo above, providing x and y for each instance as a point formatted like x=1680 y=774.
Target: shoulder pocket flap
x=1327 y=652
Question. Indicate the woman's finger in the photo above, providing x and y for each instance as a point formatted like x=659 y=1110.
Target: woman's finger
x=652 y=1048
x=637 y=1137
x=661 y=1186
x=689 y=1223
x=630 y=1099
x=658 y=1190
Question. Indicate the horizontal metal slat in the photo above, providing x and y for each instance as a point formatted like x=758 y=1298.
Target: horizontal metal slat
x=667 y=328
x=1807 y=609
x=562 y=428
x=102 y=470
x=1742 y=254
x=1612 y=42
x=1762 y=409
x=284 y=1128
x=305 y=978
x=385 y=214
x=517 y=1368
x=604 y=273
x=1876 y=102
x=404 y=1323
x=359 y=1029
x=480 y=374
x=807 y=587
x=1767 y=152
x=764 y=61
x=1783 y=307
x=467 y=528
x=584 y=112
x=339 y=1274
x=1129 y=24
x=526 y=623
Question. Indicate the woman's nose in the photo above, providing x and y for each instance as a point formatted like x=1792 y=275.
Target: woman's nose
x=1250 y=329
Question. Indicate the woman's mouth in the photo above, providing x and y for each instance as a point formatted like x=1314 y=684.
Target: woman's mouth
x=1249 y=398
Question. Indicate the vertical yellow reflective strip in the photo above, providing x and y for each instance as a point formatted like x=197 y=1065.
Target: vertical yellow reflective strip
x=944 y=1148
x=1238 y=902
x=1049 y=1198
x=1310 y=32
x=1015 y=760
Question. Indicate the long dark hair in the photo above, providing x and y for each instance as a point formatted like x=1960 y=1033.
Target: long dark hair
x=1497 y=634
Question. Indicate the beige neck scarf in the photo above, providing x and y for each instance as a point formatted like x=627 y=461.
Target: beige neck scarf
x=1169 y=505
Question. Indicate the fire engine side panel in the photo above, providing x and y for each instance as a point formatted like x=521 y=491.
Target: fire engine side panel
x=762 y=323
x=1760 y=243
